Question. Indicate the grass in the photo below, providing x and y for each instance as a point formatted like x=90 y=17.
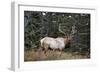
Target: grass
x=35 y=55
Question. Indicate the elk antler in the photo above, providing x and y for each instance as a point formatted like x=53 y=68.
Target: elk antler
x=73 y=30
x=61 y=30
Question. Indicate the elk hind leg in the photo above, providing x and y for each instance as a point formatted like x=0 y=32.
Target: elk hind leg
x=46 y=49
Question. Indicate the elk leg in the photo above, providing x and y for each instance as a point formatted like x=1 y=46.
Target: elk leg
x=45 y=49
x=45 y=52
x=53 y=51
x=60 y=52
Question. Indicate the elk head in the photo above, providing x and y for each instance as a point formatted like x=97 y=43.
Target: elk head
x=68 y=36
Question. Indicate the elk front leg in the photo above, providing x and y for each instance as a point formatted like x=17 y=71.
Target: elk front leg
x=60 y=52
x=53 y=52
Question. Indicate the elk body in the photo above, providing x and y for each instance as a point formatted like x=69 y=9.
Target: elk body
x=54 y=43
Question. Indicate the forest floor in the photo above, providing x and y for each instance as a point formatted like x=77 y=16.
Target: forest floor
x=33 y=55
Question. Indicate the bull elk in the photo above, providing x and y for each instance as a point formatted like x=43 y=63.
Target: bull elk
x=54 y=43
x=58 y=43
